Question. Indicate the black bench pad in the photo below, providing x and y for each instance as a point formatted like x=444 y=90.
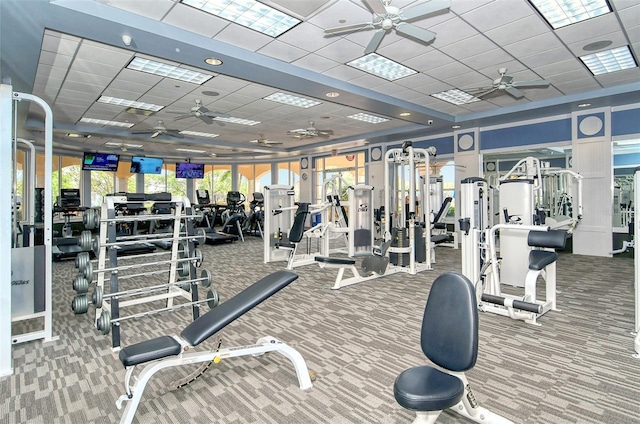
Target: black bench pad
x=149 y=350
x=286 y=245
x=223 y=314
x=335 y=261
x=538 y=259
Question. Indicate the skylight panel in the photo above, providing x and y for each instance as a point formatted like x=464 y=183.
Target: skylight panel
x=129 y=103
x=456 y=97
x=365 y=117
x=560 y=13
x=608 y=61
x=381 y=66
x=291 y=100
x=104 y=122
x=169 y=71
x=248 y=13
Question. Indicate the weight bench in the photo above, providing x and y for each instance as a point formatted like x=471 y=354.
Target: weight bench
x=171 y=351
x=542 y=262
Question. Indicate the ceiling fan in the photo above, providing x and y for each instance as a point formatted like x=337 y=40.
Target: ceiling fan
x=506 y=84
x=387 y=17
x=310 y=131
x=202 y=113
x=265 y=142
x=159 y=129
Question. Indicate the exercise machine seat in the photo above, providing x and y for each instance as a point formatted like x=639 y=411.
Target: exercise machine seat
x=226 y=312
x=297 y=229
x=539 y=259
x=149 y=350
x=449 y=338
x=334 y=261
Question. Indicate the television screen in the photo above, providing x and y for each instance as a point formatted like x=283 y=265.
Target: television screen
x=144 y=165
x=100 y=162
x=189 y=170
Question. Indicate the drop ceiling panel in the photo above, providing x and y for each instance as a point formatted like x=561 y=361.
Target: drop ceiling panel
x=87 y=88
x=86 y=78
x=306 y=36
x=99 y=53
x=617 y=38
x=341 y=51
x=469 y=47
x=344 y=13
x=494 y=14
x=59 y=44
x=519 y=30
x=53 y=59
x=485 y=59
x=538 y=44
x=615 y=78
x=242 y=37
x=194 y=20
x=282 y=51
x=452 y=31
x=547 y=57
x=449 y=70
x=430 y=60
x=103 y=69
x=591 y=28
x=343 y=72
x=578 y=85
x=316 y=63
x=153 y=9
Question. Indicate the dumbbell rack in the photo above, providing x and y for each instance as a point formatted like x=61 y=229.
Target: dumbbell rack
x=108 y=254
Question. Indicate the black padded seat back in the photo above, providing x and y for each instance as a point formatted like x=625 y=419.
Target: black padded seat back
x=226 y=312
x=450 y=323
x=553 y=239
x=444 y=208
x=297 y=229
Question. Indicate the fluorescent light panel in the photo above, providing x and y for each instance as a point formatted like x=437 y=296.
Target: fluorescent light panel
x=240 y=121
x=129 y=103
x=248 y=13
x=560 y=13
x=103 y=122
x=291 y=100
x=199 y=134
x=381 y=67
x=169 y=71
x=190 y=150
x=609 y=61
x=368 y=118
x=455 y=96
x=112 y=143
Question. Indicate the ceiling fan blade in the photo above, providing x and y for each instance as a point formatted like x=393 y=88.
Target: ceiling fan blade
x=211 y=114
x=298 y=131
x=155 y=134
x=376 y=6
x=531 y=84
x=142 y=131
x=478 y=89
x=415 y=32
x=325 y=132
x=375 y=41
x=177 y=118
x=206 y=119
x=348 y=28
x=514 y=92
x=486 y=92
x=425 y=9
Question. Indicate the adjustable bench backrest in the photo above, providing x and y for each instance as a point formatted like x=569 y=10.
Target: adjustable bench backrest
x=297 y=229
x=226 y=312
x=443 y=209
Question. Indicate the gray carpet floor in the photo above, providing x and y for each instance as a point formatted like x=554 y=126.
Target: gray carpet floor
x=577 y=367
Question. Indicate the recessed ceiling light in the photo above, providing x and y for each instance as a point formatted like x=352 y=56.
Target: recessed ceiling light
x=240 y=121
x=126 y=39
x=381 y=67
x=129 y=103
x=169 y=71
x=372 y=119
x=291 y=100
x=560 y=13
x=213 y=61
x=332 y=94
x=199 y=134
x=584 y=105
x=608 y=61
x=248 y=13
x=405 y=114
x=455 y=127
x=190 y=150
x=455 y=96
x=103 y=122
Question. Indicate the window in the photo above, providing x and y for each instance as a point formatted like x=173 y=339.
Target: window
x=351 y=167
x=252 y=178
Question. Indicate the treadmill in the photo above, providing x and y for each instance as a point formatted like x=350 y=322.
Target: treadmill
x=210 y=212
x=65 y=246
x=131 y=208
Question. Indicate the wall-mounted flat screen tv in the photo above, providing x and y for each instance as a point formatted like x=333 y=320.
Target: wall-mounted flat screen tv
x=100 y=162
x=189 y=170
x=146 y=165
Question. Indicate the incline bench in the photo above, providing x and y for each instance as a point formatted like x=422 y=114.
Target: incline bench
x=166 y=351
